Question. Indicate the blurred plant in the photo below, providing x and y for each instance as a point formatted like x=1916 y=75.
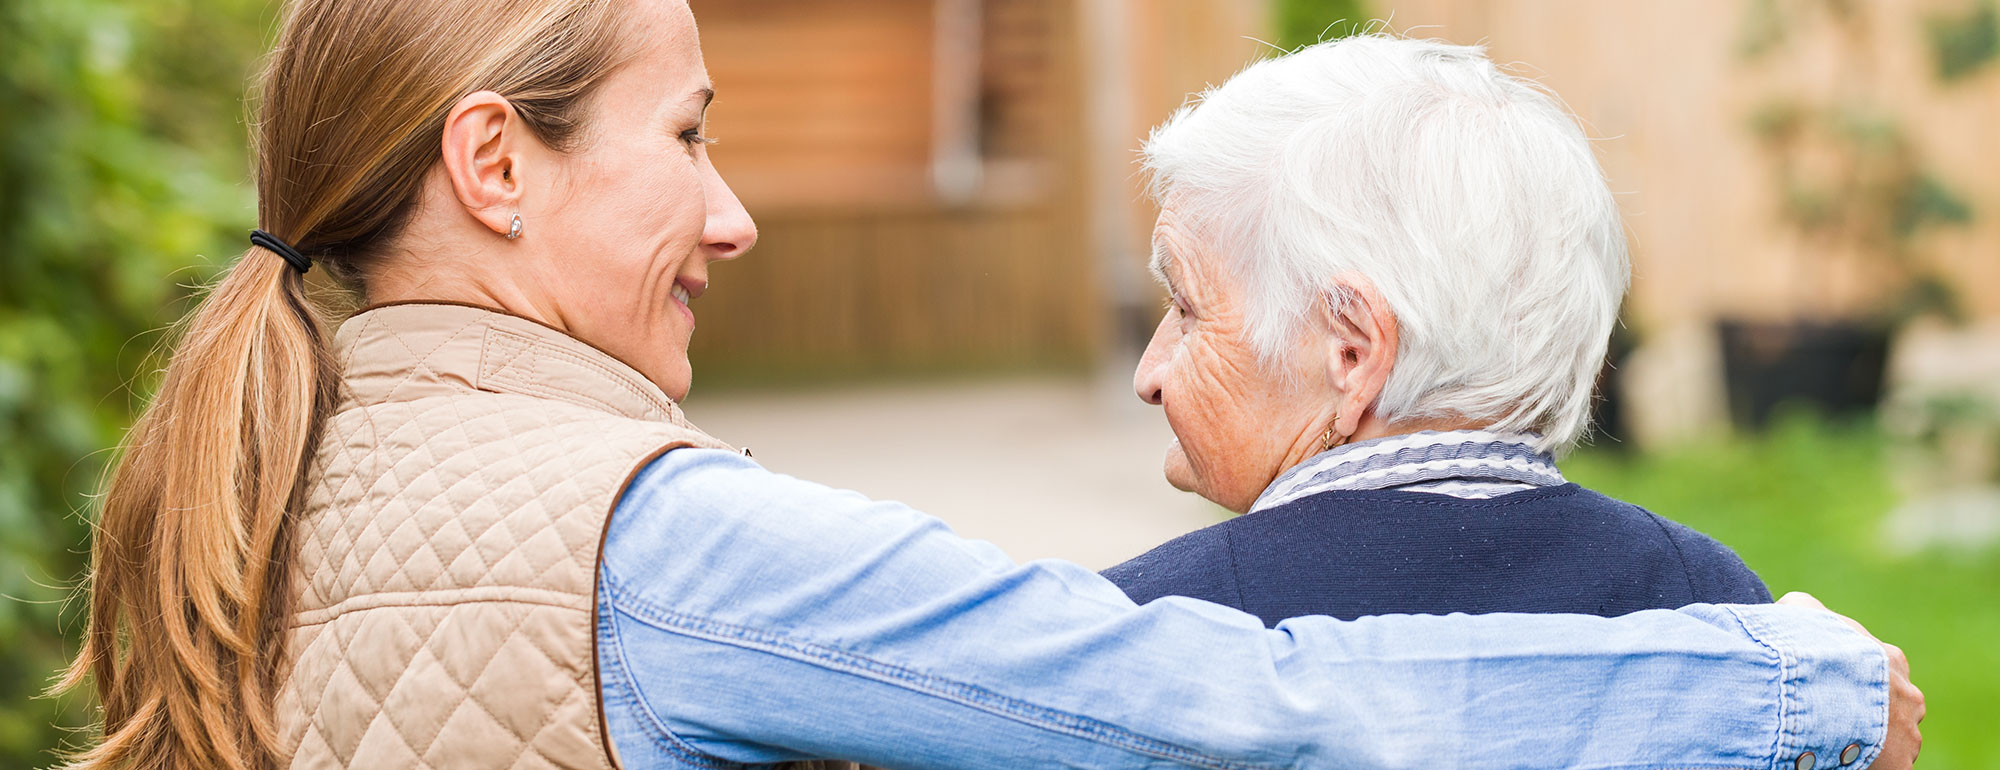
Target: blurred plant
x=1952 y=437
x=1964 y=43
x=122 y=158
x=1768 y=24
x=1851 y=181
x=1304 y=22
x=1762 y=29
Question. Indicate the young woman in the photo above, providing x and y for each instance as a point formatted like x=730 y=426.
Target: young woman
x=472 y=529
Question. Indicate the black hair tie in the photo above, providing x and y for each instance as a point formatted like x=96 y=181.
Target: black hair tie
x=291 y=256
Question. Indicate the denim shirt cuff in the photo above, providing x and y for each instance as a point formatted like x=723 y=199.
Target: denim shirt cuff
x=1833 y=686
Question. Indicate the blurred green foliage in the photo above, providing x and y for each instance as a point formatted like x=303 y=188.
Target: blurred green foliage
x=122 y=162
x=1964 y=43
x=1806 y=505
x=1851 y=179
x=1964 y=37
x=1304 y=22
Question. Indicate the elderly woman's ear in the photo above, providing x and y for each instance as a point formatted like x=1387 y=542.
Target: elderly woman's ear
x=1360 y=341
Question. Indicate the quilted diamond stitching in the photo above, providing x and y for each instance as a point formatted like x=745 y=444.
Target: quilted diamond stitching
x=438 y=489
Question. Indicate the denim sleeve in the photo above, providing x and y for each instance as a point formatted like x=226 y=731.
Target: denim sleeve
x=750 y=617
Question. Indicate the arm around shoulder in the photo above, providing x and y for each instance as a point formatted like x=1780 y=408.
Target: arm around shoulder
x=759 y=618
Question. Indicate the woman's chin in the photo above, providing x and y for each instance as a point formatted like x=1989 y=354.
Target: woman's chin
x=674 y=377
x=1179 y=473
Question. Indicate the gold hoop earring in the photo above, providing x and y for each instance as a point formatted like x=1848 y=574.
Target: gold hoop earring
x=514 y=229
x=1326 y=441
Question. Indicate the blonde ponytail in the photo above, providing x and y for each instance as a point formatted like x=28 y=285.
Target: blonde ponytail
x=190 y=553
x=191 y=561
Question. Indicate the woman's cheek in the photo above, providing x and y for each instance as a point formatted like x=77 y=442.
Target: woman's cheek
x=1231 y=434
x=1201 y=407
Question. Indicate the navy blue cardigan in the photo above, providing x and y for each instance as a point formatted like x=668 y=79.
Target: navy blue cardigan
x=1354 y=553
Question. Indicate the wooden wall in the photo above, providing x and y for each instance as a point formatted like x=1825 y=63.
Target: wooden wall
x=826 y=116
x=859 y=293
x=820 y=102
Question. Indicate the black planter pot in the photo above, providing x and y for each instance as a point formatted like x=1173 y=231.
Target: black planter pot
x=1834 y=368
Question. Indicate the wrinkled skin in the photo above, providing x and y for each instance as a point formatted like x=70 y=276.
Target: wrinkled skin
x=1236 y=424
x=1238 y=420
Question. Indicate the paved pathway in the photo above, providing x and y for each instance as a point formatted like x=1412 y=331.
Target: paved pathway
x=1044 y=468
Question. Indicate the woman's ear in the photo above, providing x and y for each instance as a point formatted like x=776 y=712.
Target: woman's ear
x=1361 y=342
x=482 y=157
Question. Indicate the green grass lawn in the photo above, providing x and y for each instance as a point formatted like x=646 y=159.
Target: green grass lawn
x=1804 y=506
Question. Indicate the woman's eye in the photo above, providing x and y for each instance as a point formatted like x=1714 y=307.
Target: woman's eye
x=692 y=137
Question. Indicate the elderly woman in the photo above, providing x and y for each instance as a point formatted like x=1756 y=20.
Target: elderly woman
x=473 y=529
x=1393 y=270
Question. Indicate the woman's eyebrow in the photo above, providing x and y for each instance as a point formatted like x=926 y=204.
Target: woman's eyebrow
x=1158 y=266
x=704 y=95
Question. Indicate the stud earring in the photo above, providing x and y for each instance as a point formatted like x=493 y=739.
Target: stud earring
x=514 y=229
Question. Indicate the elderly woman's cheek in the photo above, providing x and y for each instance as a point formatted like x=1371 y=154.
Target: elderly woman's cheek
x=1243 y=423
x=1202 y=401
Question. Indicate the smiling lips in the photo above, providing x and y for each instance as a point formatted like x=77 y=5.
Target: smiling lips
x=685 y=292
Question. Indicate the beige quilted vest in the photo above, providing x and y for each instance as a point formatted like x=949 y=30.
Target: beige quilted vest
x=447 y=556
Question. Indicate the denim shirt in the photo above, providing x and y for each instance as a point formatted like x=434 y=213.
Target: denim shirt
x=749 y=617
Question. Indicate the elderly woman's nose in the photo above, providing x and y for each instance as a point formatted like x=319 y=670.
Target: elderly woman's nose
x=1148 y=389
x=730 y=231
x=1149 y=379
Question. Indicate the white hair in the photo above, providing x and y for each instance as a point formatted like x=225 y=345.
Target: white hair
x=1469 y=197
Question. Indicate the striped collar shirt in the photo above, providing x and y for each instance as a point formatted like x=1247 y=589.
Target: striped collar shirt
x=1470 y=464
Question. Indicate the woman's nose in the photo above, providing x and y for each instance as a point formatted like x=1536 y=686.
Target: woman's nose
x=1149 y=379
x=730 y=231
x=1148 y=392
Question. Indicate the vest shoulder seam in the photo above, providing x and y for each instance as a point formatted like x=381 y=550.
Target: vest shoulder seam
x=477 y=595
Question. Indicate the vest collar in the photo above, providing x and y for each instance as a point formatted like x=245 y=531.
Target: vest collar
x=409 y=350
